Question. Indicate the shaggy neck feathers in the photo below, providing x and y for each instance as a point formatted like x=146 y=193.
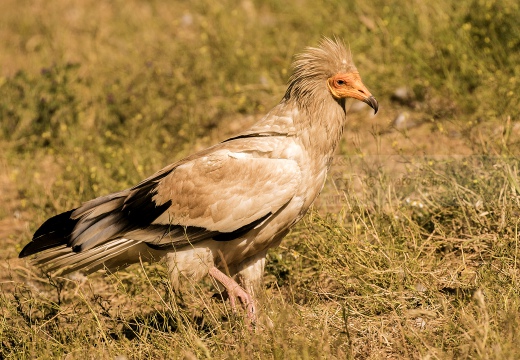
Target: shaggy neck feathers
x=320 y=117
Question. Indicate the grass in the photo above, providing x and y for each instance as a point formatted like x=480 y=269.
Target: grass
x=411 y=250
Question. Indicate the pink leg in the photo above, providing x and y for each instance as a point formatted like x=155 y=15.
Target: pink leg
x=235 y=291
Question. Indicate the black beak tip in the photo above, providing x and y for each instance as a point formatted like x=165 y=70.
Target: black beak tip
x=372 y=102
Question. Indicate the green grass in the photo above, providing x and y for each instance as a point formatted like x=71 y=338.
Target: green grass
x=411 y=250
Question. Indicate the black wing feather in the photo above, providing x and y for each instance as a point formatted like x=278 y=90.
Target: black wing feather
x=52 y=233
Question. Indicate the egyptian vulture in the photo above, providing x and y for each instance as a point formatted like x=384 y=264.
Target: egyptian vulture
x=218 y=211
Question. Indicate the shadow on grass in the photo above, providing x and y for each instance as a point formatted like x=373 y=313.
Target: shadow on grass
x=168 y=322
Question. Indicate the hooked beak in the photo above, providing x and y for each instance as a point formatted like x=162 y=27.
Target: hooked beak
x=372 y=102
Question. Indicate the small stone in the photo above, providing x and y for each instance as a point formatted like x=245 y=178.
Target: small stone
x=403 y=95
x=420 y=323
x=403 y=121
x=420 y=287
x=187 y=20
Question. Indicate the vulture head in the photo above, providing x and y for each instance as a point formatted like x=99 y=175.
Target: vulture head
x=328 y=71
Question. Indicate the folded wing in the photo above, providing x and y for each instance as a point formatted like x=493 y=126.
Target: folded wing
x=217 y=195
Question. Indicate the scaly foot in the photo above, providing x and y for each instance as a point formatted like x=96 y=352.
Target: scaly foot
x=235 y=291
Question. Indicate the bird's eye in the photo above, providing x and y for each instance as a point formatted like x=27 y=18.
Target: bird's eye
x=340 y=82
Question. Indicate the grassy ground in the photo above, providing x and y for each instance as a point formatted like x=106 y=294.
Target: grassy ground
x=412 y=249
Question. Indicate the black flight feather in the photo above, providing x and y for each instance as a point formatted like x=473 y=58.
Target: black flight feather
x=52 y=233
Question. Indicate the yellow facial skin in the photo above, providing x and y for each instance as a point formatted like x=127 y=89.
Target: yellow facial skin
x=349 y=85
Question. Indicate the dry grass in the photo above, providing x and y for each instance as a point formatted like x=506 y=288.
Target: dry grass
x=411 y=250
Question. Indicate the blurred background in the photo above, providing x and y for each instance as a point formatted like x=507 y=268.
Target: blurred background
x=422 y=199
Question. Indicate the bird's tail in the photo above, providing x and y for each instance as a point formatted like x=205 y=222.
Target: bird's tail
x=114 y=255
x=53 y=244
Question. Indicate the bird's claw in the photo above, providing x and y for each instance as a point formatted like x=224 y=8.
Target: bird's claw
x=235 y=291
x=245 y=299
